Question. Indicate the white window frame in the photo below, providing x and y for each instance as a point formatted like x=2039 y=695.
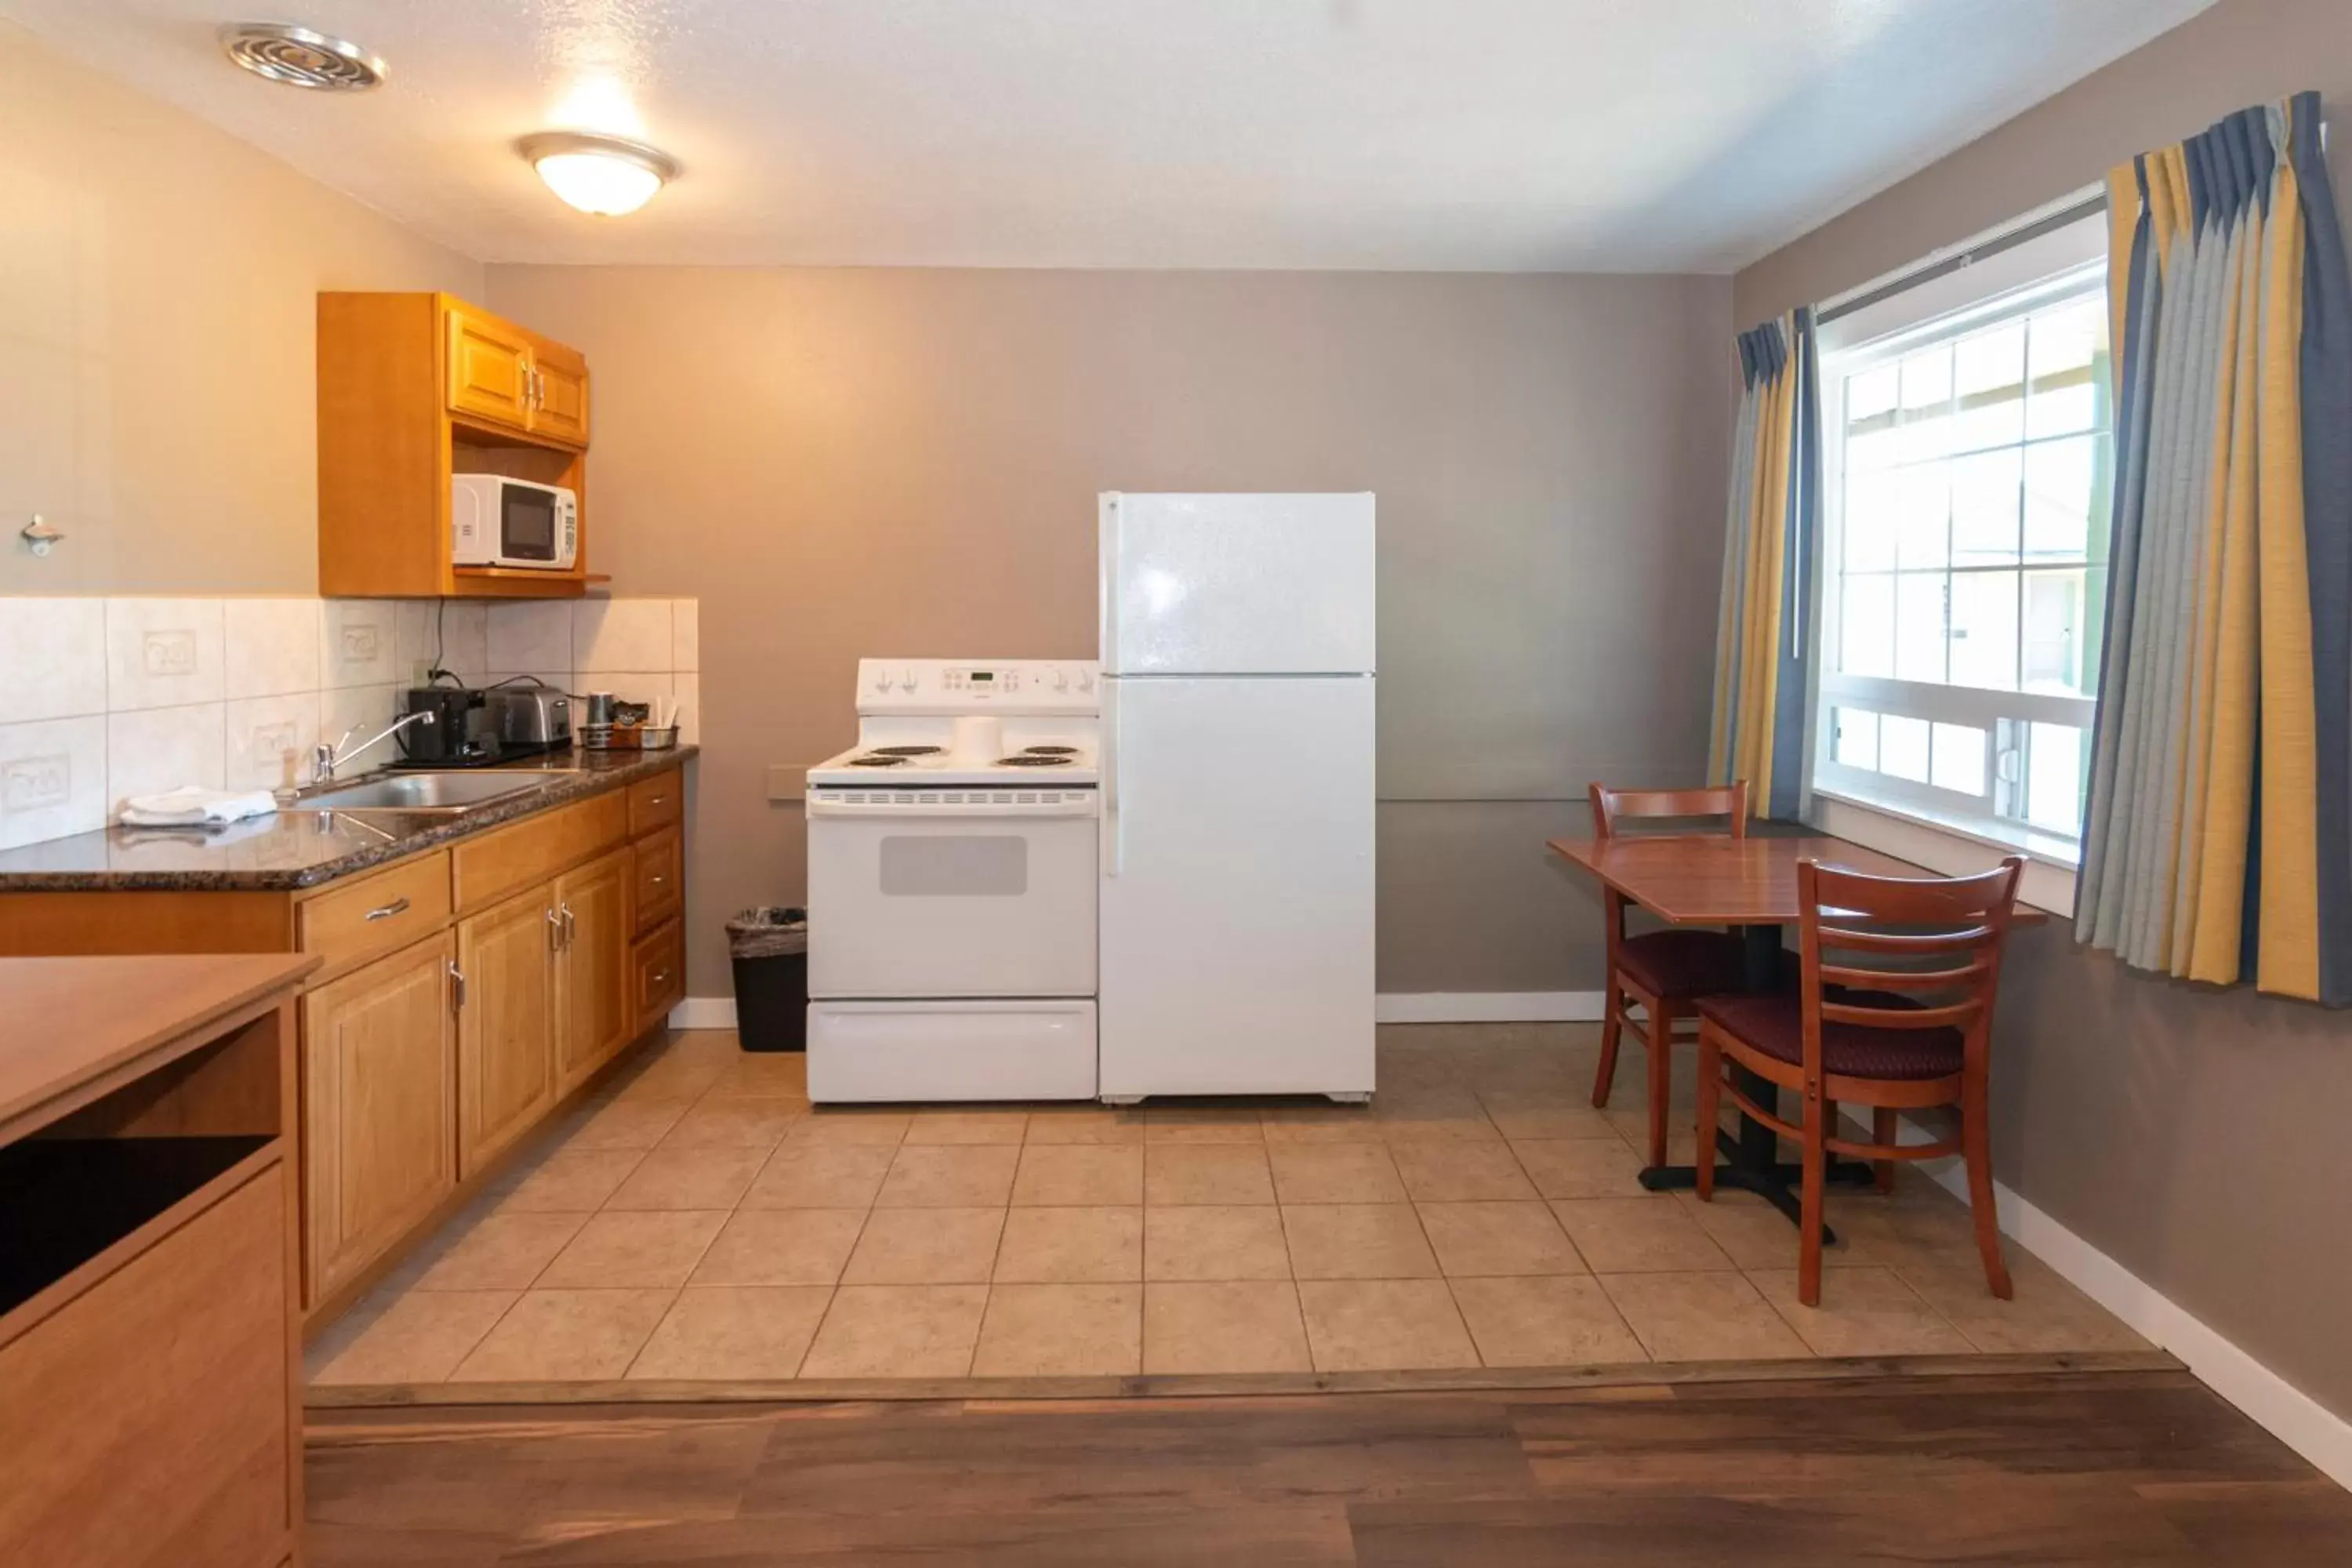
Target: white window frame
x=1943 y=829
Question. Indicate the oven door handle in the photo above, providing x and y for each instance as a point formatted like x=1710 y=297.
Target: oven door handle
x=822 y=805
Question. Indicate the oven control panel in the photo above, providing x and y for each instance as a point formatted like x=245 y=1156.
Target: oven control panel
x=970 y=685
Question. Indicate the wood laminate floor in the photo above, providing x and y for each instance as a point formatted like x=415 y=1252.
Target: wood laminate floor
x=2146 y=1468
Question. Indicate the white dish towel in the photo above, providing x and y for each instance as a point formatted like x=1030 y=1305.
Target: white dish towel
x=189 y=806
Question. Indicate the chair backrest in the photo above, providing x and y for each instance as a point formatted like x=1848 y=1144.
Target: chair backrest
x=1937 y=942
x=1612 y=807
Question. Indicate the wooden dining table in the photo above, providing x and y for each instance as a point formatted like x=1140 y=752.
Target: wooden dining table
x=1748 y=884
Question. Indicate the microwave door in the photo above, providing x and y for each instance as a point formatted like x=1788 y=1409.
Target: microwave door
x=528 y=530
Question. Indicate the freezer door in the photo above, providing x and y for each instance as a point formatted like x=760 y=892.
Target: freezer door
x=1236 y=584
x=1236 y=903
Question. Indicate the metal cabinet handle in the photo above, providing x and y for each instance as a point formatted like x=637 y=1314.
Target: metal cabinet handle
x=397 y=907
x=555 y=932
x=659 y=879
x=571 y=926
x=661 y=977
x=457 y=987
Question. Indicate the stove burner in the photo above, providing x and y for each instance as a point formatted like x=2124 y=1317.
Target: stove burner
x=877 y=762
x=906 y=751
x=1049 y=751
x=1026 y=761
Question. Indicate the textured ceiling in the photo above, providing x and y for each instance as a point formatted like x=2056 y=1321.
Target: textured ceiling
x=1478 y=134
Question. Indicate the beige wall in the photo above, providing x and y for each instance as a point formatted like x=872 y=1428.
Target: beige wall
x=850 y=462
x=2190 y=1134
x=156 y=280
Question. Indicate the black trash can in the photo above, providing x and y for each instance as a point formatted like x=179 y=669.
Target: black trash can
x=770 y=949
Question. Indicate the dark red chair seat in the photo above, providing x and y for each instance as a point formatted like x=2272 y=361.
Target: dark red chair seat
x=1776 y=1027
x=1680 y=965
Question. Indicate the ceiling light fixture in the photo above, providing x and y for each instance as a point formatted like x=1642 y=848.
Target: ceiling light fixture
x=301 y=58
x=607 y=175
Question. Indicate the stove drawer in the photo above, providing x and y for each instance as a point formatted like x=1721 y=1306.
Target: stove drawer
x=911 y=905
x=888 y=1051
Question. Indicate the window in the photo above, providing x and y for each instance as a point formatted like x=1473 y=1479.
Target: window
x=1966 y=465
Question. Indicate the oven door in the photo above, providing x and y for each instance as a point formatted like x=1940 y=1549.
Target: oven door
x=948 y=892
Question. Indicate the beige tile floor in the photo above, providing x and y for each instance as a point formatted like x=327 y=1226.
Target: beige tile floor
x=699 y=1221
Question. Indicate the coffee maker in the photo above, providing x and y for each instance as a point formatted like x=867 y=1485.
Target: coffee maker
x=463 y=734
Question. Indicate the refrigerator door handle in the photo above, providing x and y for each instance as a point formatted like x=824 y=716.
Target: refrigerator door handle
x=1114 y=813
x=1107 y=597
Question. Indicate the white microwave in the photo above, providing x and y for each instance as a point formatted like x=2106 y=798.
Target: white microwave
x=497 y=521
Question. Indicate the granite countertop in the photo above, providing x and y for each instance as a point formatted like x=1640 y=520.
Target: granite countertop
x=298 y=848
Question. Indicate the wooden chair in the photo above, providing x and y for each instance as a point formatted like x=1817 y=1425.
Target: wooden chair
x=1666 y=972
x=1854 y=1032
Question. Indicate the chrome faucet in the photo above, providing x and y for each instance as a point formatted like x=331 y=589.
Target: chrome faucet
x=325 y=759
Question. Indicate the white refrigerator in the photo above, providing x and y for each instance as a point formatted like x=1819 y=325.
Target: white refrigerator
x=1237 y=837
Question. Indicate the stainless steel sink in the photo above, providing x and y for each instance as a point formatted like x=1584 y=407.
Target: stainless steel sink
x=424 y=791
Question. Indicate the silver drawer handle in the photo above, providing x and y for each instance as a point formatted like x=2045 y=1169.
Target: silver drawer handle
x=661 y=977
x=656 y=800
x=659 y=880
x=397 y=907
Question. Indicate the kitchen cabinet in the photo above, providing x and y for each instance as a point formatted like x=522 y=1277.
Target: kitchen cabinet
x=413 y=388
x=593 y=1019
x=506 y=1023
x=490 y=368
x=658 y=970
x=465 y=994
x=380 y=1108
x=561 y=410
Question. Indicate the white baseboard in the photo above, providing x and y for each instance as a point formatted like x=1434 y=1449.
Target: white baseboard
x=703 y=1012
x=1487 y=1007
x=1389 y=1007
x=2272 y=1403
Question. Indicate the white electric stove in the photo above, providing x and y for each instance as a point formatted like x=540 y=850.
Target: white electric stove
x=951 y=857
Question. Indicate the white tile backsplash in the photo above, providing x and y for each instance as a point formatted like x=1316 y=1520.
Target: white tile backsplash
x=162 y=653
x=621 y=634
x=529 y=635
x=151 y=750
x=687 y=686
x=100 y=699
x=459 y=629
x=360 y=644
x=52 y=779
x=272 y=645
x=52 y=659
x=269 y=741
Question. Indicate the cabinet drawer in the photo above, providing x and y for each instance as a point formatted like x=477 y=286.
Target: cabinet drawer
x=656 y=887
x=376 y=913
x=536 y=849
x=153 y=1407
x=657 y=972
x=656 y=801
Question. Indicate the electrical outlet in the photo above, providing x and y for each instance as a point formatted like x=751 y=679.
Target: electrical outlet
x=36 y=784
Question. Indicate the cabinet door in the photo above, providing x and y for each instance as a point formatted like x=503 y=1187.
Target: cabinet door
x=593 y=980
x=489 y=369
x=560 y=411
x=379 y=1109
x=506 y=1024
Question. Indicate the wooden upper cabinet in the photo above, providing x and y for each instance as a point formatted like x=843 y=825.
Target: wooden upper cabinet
x=490 y=368
x=559 y=403
x=413 y=388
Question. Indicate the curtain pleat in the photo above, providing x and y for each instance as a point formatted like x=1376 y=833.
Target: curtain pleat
x=2218 y=837
x=1760 y=675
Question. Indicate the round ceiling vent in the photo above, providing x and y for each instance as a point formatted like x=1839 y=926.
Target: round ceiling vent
x=301 y=58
